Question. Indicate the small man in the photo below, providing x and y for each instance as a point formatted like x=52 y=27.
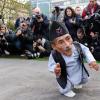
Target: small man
x=67 y=64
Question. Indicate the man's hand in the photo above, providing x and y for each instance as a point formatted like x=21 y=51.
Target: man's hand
x=57 y=70
x=86 y=17
x=72 y=21
x=18 y=32
x=94 y=65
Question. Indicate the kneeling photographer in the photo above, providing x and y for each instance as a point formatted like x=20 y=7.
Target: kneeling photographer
x=6 y=39
x=42 y=48
x=95 y=44
x=24 y=39
x=3 y=43
x=39 y=24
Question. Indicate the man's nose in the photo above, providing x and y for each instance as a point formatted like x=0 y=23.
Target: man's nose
x=67 y=43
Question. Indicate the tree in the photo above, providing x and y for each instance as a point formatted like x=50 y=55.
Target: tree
x=10 y=8
x=28 y=6
x=2 y=7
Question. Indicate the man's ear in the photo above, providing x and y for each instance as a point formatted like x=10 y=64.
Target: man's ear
x=53 y=46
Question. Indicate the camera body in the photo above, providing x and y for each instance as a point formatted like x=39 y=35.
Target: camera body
x=37 y=16
x=2 y=38
x=92 y=23
x=23 y=31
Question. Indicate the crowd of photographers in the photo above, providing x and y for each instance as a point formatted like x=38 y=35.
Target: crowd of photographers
x=31 y=37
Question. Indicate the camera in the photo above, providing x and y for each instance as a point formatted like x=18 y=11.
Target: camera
x=92 y=23
x=38 y=16
x=2 y=38
x=1 y=35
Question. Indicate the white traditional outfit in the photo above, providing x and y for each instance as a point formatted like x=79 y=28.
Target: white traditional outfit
x=75 y=75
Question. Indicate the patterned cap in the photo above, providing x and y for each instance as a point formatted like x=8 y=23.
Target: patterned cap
x=57 y=29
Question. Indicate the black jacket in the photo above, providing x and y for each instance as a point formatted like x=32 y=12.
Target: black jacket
x=41 y=28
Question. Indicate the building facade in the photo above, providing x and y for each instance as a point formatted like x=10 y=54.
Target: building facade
x=47 y=5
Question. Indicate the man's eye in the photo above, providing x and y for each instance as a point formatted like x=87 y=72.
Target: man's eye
x=67 y=38
x=60 y=42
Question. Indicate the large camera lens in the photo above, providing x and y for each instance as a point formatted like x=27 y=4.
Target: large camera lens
x=1 y=36
x=38 y=16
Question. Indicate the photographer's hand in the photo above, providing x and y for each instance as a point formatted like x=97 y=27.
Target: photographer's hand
x=39 y=41
x=72 y=21
x=86 y=17
x=18 y=33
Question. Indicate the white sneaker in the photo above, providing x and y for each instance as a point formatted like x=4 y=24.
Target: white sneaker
x=78 y=86
x=70 y=94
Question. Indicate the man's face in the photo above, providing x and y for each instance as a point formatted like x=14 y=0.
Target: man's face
x=92 y=2
x=80 y=35
x=24 y=26
x=36 y=11
x=78 y=10
x=63 y=44
x=3 y=29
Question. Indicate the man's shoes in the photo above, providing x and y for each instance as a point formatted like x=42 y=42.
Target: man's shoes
x=6 y=52
x=28 y=54
x=78 y=86
x=70 y=94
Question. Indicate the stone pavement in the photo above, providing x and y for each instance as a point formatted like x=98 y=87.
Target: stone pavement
x=22 y=79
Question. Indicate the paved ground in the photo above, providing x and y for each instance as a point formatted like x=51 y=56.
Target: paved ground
x=22 y=79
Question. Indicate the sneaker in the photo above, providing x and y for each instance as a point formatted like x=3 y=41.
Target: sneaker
x=6 y=52
x=78 y=86
x=38 y=54
x=70 y=94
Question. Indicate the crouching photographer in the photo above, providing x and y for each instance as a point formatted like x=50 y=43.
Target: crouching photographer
x=95 y=44
x=3 y=43
x=41 y=47
x=6 y=39
x=39 y=24
x=91 y=23
x=24 y=40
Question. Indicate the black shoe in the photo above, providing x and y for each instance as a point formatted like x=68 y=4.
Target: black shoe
x=29 y=55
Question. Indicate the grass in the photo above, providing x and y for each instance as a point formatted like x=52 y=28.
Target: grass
x=23 y=57
x=13 y=56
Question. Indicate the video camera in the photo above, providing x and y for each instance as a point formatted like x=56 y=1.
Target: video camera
x=37 y=16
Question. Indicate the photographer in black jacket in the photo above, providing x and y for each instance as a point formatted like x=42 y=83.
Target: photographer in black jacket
x=95 y=44
x=7 y=38
x=39 y=24
x=24 y=39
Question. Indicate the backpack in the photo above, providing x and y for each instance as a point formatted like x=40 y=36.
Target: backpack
x=62 y=79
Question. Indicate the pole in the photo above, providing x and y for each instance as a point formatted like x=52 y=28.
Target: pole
x=36 y=3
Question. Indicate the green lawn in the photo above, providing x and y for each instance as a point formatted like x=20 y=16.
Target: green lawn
x=39 y=59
